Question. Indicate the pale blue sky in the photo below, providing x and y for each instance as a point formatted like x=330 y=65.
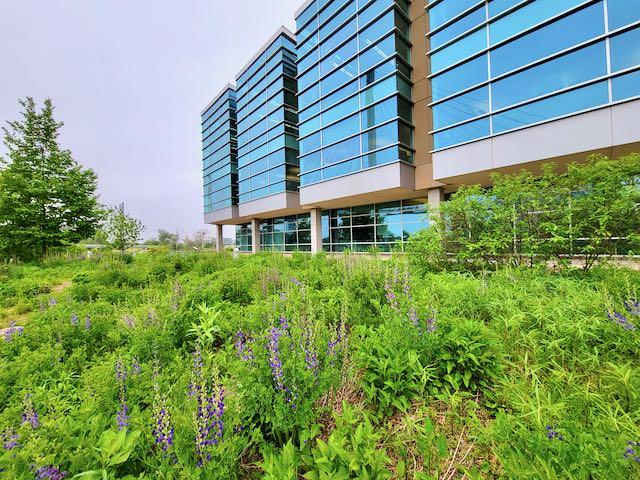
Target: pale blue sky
x=129 y=79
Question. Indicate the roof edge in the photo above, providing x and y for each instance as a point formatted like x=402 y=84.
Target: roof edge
x=281 y=31
x=229 y=86
x=302 y=8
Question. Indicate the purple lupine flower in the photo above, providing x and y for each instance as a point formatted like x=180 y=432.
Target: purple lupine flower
x=310 y=354
x=238 y=429
x=406 y=287
x=390 y=295
x=136 y=369
x=283 y=296
x=243 y=347
x=53 y=302
x=296 y=282
x=631 y=452
x=10 y=439
x=284 y=323
x=87 y=322
x=633 y=307
x=273 y=348
x=553 y=434
x=29 y=415
x=196 y=372
x=621 y=320
x=162 y=427
x=50 y=472
x=122 y=416
x=432 y=322
x=74 y=320
x=413 y=317
x=12 y=331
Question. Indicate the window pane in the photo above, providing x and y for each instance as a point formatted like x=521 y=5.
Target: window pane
x=343 y=150
x=564 y=33
x=463 y=48
x=342 y=168
x=626 y=86
x=340 y=110
x=341 y=76
x=445 y=11
x=374 y=55
x=379 y=113
x=463 y=133
x=559 y=105
x=622 y=12
x=576 y=67
x=625 y=50
x=344 y=128
x=381 y=157
x=461 y=108
x=378 y=91
x=380 y=137
x=376 y=30
x=463 y=76
x=460 y=26
x=526 y=17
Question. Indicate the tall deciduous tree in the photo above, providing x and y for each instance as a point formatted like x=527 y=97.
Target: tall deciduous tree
x=122 y=230
x=46 y=198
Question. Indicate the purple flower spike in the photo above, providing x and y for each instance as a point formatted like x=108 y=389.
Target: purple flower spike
x=10 y=439
x=296 y=282
x=621 y=320
x=12 y=331
x=243 y=347
x=74 y=320
x=30 y=416
x=552 y=434
x=136 y=369
x=633 y=307
x=87 y=322
x=122 y=416
x=631 y=452
x=162 y=428
x=50 y=473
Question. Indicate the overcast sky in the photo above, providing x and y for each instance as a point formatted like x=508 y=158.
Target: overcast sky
x=129 y=79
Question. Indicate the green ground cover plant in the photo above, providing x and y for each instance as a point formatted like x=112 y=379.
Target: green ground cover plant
x=204 y=366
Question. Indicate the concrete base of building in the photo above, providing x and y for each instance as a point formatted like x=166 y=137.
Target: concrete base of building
x=219 y=238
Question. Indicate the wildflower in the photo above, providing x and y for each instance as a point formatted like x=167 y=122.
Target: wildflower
x=12 y=331
x=162 y=428
x=413 y=317
x=122 y=416
x=631 y=453
x=633 y=307
x=390 y=296
x=50 y=473
x=10 y=439
x=129 y=321
x=296 y=282
x=283 y=296
x=406 y=288
x=621 y=320
x=243 y=347
x=29 y=414
x=273 y=347
x=87 y=322
x=552 y=434
x=432 y=322
x=238 y=429
x=53 y=302
x=136 y=369
x=74 y=320
x=310 y=355
x=284 y=323
x=209 y=411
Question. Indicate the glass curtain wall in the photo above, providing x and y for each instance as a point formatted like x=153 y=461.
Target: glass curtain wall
x=501 y=65
x=219 y=153
x=381 y=225
x=267 y=123
x=354 y=78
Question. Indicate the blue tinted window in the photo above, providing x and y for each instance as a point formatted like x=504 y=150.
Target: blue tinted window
x=626 y=86
x=342 y=168
x=308 y=78
x=445 y=11
x=338 y=57
x=379 y=113
x=465 y=23
x=463 y=133
x=340 y=110
x=310 y=126
x=380 y=137
x=376 y=30
x=310 y=162
x=340 y=94
x=378 y=91
x=374 y=55
x=373 y=10
x=330 y=26
x=559 y=35
x=576 y=67
x=337 y=38
x=622 y=12
x=377 y=73
x=344 y=128
x=625 y=50
x=557 y=106
x=341 y=151
x=310 y=143
x=461 y=108
x=463 y=76
x=499 y=6
x=526 y=17
x=309 y=96
x=463 y=48
x=341 y=76
x=380 y=157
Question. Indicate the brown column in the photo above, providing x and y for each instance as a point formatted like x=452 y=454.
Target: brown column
x=255 y=235
x=219 y=239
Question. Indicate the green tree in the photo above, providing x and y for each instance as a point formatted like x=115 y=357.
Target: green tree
x=122 y=231
x=169 y=239
x=46 y=198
